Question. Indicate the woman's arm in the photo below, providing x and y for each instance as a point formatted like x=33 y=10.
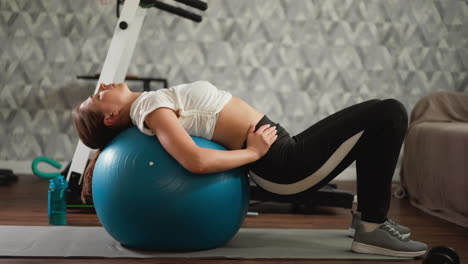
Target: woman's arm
x=178 y=143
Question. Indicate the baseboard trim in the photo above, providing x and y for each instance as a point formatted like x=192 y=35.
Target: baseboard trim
x=24 y=167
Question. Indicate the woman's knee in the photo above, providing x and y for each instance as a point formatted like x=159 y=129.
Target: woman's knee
x=396 y=111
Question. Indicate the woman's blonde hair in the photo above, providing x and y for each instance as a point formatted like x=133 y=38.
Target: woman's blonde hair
x=89 y=124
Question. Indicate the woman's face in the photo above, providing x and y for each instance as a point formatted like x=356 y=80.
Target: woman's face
x=109 y=98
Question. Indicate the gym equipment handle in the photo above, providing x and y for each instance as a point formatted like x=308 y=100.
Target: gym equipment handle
x=171 y=9
x=194 y=3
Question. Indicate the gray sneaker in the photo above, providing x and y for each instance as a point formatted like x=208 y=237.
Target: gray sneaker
x=404 y=231
x=386 y=240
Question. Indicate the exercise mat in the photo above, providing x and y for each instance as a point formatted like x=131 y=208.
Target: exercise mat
x=249 y=243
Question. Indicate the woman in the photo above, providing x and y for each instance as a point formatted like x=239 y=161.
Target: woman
x=370 y=133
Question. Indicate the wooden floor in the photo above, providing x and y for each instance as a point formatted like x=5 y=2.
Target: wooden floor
x=25 y=203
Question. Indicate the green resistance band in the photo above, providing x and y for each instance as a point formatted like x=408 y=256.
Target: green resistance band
x=46 y=175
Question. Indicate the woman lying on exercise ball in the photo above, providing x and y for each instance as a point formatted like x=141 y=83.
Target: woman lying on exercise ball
x=370 y=133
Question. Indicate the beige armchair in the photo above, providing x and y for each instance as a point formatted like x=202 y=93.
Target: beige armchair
x=434 y=170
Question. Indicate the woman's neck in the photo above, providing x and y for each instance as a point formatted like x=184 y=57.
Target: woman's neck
x=125 y=112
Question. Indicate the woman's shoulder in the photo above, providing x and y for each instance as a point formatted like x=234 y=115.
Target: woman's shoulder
x=194 y=85
x=150 y=99
x=156 y=94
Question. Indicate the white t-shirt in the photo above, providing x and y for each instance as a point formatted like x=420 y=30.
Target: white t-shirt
x=199 y=104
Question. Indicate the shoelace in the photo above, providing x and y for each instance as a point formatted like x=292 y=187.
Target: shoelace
x=392 y=230
x=392 y=222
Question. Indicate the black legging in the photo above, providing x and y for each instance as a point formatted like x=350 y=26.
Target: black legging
x=370 y=133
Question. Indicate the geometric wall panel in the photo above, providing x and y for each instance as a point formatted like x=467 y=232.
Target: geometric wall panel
x=295 y=60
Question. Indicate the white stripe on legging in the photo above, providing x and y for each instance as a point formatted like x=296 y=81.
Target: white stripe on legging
x=314 y=178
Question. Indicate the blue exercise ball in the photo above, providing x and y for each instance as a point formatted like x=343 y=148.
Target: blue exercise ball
x=146 y=200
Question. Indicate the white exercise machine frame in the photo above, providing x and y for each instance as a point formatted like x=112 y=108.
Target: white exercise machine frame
x=115 y=67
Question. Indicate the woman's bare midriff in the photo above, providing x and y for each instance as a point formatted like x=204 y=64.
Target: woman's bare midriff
x=233 y=123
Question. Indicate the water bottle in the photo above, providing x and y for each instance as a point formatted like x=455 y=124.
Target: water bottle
x=57 y=204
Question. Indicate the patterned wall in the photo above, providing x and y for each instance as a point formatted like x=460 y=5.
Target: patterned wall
x=296 y=60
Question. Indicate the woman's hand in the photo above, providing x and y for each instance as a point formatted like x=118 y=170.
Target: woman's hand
x=261 y=140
